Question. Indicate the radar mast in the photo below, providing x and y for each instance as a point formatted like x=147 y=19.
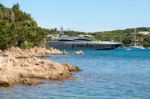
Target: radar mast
x=61 y=31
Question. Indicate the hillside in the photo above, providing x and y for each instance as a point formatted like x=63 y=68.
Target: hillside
x=17 y=28
x=124 y=36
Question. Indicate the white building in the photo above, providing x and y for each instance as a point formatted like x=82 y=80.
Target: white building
x=86 y=35
x=144 y=32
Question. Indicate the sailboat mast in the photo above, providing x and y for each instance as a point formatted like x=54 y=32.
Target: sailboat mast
x=135 y=33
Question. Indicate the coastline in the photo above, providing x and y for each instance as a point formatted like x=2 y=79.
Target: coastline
x=25 y=67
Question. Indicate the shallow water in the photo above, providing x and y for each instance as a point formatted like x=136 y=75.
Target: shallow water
x=115 y=74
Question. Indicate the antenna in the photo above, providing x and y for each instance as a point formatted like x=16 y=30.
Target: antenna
x=135 y=31
x=61 y=31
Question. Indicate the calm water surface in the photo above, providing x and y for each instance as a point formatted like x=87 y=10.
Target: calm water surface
x=116 y=74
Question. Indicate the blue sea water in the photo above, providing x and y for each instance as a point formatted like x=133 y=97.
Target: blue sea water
x=114 y=74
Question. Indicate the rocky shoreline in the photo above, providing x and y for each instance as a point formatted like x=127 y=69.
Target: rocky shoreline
x=25 y=67
x=33 y=52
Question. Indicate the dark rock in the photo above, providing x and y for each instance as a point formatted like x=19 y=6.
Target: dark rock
x=4 y=84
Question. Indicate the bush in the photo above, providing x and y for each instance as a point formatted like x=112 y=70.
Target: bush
x=26 y=45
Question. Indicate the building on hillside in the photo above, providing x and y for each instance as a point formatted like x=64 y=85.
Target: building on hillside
x=86 y=35
x=50 y=36
x=144 y=32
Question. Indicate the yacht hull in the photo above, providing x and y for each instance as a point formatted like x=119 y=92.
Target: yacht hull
x=82 y=45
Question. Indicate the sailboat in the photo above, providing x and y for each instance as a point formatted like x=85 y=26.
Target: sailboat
x=135 y=46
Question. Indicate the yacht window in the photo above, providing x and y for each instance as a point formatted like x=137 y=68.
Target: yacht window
x=82 y=40
x=64 y=40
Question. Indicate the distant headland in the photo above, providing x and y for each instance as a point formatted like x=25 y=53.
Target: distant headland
x=19 y=29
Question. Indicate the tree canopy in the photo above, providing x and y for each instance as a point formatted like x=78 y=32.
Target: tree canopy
x=17 y=28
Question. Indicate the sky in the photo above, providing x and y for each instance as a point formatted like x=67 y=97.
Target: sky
x=87 y=15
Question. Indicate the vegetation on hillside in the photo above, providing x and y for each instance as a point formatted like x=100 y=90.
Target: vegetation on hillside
x=124 y=36
x=17 y=28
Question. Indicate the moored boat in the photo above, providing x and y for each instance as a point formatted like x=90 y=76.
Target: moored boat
x=65 y=42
